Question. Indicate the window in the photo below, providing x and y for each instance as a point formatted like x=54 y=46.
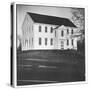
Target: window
x=51 y=30
x=29 y=29
x=39 y=28
x=67 y=42
x=29 y=41
x=23 y=43
x=62 y=33
x=72 y=31
x=55 y=33
x=32 y=28
x=45 y=29
x=39 y=41
x=72 y=42
x=67 y=31
x=26 y=42
x=51 y=41
x=45 y=41
x=32 y=41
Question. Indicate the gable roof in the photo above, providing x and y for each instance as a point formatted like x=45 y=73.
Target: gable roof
x=46 y=19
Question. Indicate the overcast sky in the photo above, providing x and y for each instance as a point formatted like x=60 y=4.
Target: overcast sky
x=53 y=11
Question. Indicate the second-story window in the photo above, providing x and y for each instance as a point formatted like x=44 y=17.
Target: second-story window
x=39 y=28
x=72 y=31
x=67 y=31
x=62 y=33
x=51 y=30
x=39 y=41
x=45 y=29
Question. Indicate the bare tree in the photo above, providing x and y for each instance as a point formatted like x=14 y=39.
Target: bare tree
x=78 y=18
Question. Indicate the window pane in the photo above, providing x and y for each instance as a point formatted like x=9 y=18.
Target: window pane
x=72 y=42
x=67 y=31
x=39 y=41
x=39 y=28
x=55 y=33
x=51 y=30
x=62 y=33
x=26 y=42
x=67 y=42
x=72 y=31
x=29 y=41
x=32 y=28
x=45 y=29
x=32 y=41
x=45 y=41
x=51 y=41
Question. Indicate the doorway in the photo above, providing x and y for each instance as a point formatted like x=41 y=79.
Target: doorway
x=62 y=44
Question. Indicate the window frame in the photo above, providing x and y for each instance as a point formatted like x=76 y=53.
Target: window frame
x=39 y=28
x=55 y=33
x=67 y=31
x=72 y=42
x=72 y=31
x=46 y=41
x=32 y=40
x=51 y=41
x=40 y=40
x=62 y=33
x=45 y=29
x=67 y=42
x=51 y=30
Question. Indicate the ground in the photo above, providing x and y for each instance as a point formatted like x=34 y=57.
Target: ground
x=49 y=66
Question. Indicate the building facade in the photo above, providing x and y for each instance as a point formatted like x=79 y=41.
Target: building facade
x=43 y=32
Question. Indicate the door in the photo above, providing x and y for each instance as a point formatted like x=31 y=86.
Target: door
x=62 y=44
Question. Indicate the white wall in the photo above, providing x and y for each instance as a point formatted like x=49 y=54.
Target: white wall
x=43 y=35
x=65 y=37
x=35 y=34
x=27 y=33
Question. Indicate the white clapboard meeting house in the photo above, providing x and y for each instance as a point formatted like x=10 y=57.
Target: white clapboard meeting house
x=44 y=32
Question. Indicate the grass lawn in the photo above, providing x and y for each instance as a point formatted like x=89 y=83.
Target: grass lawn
x=50 y=66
